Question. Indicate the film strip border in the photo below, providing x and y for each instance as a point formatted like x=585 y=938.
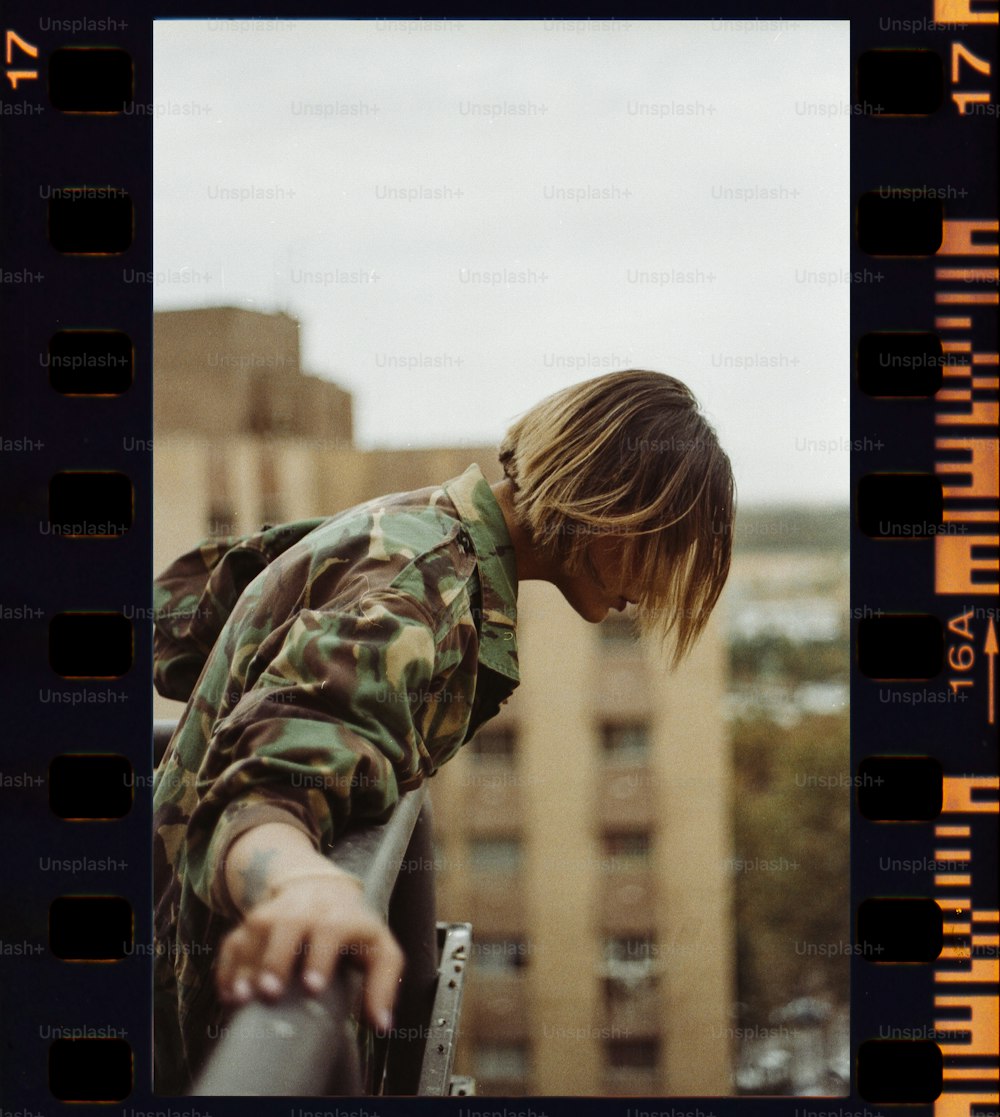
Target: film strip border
x=924 y=560
x=78 y=275
x=966 y=971
x=76 y=415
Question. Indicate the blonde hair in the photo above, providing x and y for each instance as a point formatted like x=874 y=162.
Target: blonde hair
x=629 y=454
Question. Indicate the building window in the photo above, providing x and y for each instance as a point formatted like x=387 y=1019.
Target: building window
x=630 y=980
x=221 y=519
x=626 y=848
x=632 y=1054
x=493 y=746
x=495 y=855
x=625 y=742
x=629 y=960
x=258 y=413
x=629 y=948
x=503 y=956
x=501 y=1061
x=271 y=511
x=221 y=507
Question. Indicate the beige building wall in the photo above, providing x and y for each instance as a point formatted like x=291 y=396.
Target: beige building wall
x=227 y=370
x=691 y=772
x=560 y=887
x=522 y=841
x=562 y=797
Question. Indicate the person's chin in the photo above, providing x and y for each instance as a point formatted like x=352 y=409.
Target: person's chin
x=596 y=613
x=592 y=611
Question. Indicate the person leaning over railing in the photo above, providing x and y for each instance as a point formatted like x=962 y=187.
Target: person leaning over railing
x=331 y=663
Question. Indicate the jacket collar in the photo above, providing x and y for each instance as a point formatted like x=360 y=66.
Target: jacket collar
x=484 y=521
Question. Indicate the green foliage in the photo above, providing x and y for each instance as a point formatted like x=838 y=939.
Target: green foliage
x=792 y=861
x=776 y=656
x=792 y=528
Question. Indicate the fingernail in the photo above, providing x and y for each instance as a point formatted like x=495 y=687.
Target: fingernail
x=313 y=980
x=270 y=984
x=384 y=1020
x=242 y=989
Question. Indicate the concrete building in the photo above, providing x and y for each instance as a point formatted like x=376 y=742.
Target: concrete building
x=586 y=837
x=229 y=371
x=584 y=832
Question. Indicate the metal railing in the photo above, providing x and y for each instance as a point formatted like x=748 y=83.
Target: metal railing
x=309 y=1045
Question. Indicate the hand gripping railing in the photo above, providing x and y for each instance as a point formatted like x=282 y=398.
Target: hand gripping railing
x=308 y=1045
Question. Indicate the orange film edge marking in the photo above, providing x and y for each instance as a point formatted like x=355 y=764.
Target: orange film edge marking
x=963 y=953
x=953 y=570
x=12 y=40
x=960 y=53
x=981 y=468
x=982 y=1026
x=957 y=795
x=960 y=1105
x=970 y=516
x=983 y=413
x=963 y=99
x=14 y=76
x=983 y=971
x=972 y=298
x=957 y=238
x=954 y=905
x=960 y=11
x=987 y=275
x=987 y=1074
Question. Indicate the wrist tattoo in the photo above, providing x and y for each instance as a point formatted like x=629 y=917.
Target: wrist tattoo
x=255 y=876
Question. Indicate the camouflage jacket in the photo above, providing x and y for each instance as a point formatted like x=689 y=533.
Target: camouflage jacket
x=369 y=647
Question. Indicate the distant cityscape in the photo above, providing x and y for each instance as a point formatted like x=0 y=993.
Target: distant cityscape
x=789 y=591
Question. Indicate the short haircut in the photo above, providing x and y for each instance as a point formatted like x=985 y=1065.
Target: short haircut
x=629 y=454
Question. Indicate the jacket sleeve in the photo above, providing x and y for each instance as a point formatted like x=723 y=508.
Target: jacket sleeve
x=193 y=597
x=327 y=732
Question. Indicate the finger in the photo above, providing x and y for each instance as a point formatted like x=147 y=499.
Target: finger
x=279 y=958
x=319 y=957
x=233 y=950
x=244 y=985
x=383 y=960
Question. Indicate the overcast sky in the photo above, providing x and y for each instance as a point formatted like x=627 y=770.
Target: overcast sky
x=468 y=216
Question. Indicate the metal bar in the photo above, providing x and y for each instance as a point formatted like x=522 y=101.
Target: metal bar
x=439 y=1056
x=303 y=1045
x=288 y=1048
x=375 y=853
x=462 y=1086
x=412 y=920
